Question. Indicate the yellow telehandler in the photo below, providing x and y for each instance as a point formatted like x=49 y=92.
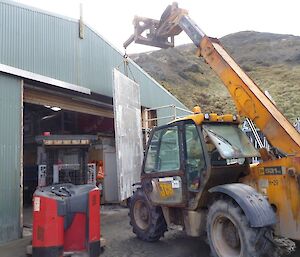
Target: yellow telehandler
x=196 y=174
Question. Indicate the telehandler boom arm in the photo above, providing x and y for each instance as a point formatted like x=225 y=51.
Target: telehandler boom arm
x=249 y=99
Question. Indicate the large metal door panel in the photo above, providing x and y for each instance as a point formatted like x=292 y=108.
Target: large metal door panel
x=128 y=133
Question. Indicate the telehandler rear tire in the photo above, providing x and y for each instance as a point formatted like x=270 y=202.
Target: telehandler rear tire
x=147 y=221
x=230 y=235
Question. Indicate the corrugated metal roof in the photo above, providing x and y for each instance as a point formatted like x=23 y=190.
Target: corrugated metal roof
x=10 y=159
x=49 y=45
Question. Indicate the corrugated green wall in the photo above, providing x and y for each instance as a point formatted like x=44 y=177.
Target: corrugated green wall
x=50 y=45
x=10 y=156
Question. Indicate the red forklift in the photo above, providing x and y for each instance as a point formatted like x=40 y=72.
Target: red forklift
x=66 y=203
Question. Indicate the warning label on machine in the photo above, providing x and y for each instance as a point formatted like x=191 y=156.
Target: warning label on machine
x=36 y=204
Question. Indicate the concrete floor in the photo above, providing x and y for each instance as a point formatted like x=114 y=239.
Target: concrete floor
x=121 y=242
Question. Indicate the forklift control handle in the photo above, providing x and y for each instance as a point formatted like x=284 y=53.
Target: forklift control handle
x=62 y=191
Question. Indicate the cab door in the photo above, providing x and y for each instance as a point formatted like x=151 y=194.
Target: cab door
x=163 y=176
x=194 y=156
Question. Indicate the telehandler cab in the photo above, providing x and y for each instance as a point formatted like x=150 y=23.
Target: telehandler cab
x=196 y=174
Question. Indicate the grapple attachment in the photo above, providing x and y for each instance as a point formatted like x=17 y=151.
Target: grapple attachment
x=158 y=33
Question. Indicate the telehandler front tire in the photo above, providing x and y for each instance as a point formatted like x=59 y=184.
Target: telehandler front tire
x=230 y=235
x=147 y=221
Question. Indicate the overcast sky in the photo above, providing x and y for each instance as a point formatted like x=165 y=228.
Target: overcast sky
x=217 y=18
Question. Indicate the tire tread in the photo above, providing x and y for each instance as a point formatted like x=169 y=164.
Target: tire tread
x=157 y=226
x=256 y=243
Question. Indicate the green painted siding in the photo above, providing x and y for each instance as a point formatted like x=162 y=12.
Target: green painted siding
x=50 y=45
x=10 y=157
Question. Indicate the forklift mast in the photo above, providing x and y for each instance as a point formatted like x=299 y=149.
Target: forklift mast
x=63 y=159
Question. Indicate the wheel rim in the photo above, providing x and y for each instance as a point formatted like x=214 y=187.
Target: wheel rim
x=141 y=214
x=226 y=237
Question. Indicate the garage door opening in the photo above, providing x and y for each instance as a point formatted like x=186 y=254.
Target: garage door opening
x=63 y=146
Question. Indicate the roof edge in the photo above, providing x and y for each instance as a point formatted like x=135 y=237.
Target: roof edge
x=39 y=10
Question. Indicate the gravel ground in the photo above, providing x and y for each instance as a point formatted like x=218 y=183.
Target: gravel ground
x=121 y=242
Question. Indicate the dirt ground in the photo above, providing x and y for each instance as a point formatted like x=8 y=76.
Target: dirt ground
x=121 y=242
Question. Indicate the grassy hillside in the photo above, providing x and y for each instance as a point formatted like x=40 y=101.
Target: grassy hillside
x=271 y=60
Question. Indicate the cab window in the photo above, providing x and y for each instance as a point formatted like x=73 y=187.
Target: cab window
x=163 y=153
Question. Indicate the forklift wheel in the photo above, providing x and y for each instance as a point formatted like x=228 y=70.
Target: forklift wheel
x=29 y=250
x=230 y=235
x=147 y=221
